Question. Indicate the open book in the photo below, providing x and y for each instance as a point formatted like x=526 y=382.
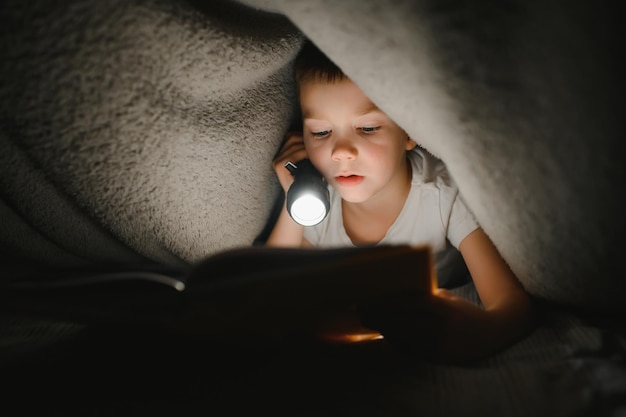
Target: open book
x=255 y=295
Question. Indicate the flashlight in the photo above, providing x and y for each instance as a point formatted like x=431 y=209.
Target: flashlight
x=308 y=200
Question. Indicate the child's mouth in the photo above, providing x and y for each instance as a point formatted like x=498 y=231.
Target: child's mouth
x=348 y=180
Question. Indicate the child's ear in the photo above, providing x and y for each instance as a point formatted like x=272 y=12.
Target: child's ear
x=410 y=144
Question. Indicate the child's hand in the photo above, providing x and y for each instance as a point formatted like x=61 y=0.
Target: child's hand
x=292 y=150
x=441 y=327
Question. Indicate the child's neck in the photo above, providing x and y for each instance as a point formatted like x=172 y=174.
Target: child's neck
x=367 y=223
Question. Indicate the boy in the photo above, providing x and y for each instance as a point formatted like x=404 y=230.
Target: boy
x=386 y=190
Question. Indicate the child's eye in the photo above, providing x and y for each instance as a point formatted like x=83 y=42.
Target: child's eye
x=321 y=133
x=369 y=129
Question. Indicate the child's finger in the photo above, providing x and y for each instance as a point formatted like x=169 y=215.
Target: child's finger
x=292 y=151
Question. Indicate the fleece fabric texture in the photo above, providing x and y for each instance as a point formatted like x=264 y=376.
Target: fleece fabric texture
x=143 y=130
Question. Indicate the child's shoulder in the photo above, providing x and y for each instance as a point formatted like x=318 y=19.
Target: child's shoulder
x=427 y=168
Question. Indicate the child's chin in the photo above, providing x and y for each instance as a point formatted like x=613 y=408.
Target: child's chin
x=353 y=197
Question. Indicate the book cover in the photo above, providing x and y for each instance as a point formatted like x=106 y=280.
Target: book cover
x=254 y=296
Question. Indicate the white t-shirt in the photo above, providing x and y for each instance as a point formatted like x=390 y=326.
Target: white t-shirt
x=434 y=214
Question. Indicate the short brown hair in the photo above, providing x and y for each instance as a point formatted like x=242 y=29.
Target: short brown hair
x=313 y=65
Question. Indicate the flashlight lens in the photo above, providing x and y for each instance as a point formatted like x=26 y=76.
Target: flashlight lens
x=308 y=210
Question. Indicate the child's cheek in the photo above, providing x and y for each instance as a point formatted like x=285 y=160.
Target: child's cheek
x=319 y=161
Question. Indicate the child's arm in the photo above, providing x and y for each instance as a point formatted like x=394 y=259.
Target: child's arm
x=286 y=231
x=502 y=295
x=448 y=328
x=507 y=313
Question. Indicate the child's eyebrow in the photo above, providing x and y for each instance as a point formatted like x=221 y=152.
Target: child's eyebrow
x=306 y=113
x=368 y=109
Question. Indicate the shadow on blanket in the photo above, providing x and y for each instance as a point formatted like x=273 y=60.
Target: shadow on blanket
x=573 y=365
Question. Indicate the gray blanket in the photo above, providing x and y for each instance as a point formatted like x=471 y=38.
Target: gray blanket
x=144 y=129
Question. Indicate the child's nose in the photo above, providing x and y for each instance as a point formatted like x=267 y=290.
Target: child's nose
x=344 y=149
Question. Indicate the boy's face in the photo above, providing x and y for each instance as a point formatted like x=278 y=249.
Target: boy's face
x=359 y=150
